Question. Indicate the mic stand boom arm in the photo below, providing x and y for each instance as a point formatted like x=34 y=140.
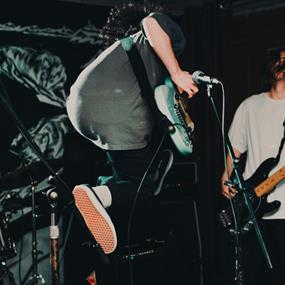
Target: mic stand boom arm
x=21 y=128
x=66 y=193
x=241 y=192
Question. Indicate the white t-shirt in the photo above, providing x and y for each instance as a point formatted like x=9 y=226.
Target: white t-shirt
x=257 y=128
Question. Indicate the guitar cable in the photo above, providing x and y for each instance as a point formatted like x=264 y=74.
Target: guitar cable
x=134 y=204
x=166 y=131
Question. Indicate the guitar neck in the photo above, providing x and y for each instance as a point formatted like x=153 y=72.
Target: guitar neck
x=267 y=185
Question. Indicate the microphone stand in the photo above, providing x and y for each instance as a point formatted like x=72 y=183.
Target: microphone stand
x=52 y=196
x=65 y=192
x=36 y=278
x=241 y=193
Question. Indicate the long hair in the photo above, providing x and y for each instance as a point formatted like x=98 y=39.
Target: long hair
x=271 y=67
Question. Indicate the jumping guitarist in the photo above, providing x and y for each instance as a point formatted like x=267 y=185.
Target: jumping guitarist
x=106 y=105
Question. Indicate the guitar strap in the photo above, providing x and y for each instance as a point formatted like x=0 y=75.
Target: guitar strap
x=147 y=93
x=281 y=145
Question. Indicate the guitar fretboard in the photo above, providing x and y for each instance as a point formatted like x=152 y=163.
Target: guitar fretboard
x=267 y=185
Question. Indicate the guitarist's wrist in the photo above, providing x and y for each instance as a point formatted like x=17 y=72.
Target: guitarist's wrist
x=175 y=73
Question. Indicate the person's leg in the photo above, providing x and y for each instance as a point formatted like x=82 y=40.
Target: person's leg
x=275 y=230
x=97 y=220
x=130 y=168
x=255 y=265
x=122 y=192
x=250 y=258
x=119 y=193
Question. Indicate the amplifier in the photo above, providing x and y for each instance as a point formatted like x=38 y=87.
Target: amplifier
x=182 y=179
x=181 y=174
x=148 y=248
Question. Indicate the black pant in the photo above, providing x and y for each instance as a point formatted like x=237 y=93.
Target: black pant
x=129 y=167
x=255 y=267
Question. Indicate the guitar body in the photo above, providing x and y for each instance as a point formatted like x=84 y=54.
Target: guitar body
x=261 y=173
x=260 y=205
x=172 y=105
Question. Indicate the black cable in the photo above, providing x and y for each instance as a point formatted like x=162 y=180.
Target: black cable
x=135 y=201
x=200 y=247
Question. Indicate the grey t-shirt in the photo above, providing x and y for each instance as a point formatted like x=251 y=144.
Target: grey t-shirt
x=105 y=103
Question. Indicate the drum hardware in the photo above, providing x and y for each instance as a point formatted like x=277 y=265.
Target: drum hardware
x=46 y=167
x=7 y=248
x=36 y=278
x=14 y=201
x=5 y=273
x=21 y=176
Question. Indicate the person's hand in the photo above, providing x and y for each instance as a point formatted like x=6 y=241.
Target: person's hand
x=227 y=191
x=184 y=83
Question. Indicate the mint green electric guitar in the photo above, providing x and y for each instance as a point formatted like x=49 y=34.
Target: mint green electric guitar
x=174 y=106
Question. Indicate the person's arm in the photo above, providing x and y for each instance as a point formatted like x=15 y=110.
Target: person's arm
x=161 y=44
x=227 y=191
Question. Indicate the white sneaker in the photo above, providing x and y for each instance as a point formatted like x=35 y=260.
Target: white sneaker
x=96 y=218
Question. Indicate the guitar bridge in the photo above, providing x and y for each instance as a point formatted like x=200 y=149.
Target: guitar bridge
x=189 y=131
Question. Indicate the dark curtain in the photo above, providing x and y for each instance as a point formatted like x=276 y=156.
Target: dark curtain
x=207 y=34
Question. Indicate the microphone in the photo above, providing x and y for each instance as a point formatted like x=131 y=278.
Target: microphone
x=199 y=77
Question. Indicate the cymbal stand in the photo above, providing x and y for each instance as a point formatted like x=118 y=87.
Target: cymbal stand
x=4 y=271
x=8 y=250
x=36 y=278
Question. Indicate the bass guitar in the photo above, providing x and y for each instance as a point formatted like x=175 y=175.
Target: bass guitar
x=174 y=106
x=259 y=185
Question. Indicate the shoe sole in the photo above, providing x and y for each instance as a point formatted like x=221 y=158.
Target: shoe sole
x=96 y=218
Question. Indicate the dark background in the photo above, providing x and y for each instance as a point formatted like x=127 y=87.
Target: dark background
x=225 y=39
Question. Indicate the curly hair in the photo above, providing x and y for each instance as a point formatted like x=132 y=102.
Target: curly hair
x=125 y=19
